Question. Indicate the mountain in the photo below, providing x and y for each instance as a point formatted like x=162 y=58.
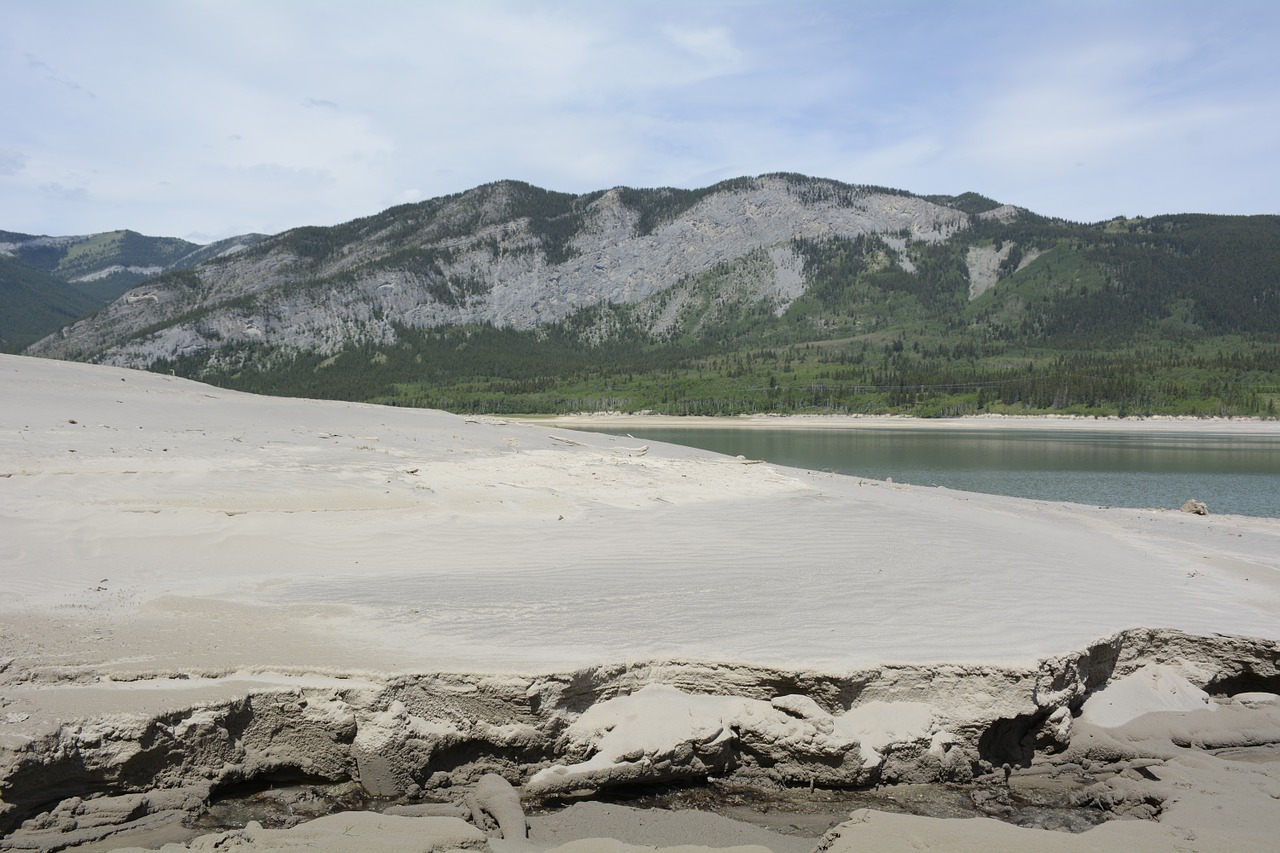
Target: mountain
x=47 y=282
x=781 y=292
x=506 y=254
x=35 y=303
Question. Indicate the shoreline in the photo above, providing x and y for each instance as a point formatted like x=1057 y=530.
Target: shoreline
x=1153 y=424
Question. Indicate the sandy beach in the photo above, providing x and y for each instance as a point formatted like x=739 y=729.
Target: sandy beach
x=206 y=589
x=1154 y=424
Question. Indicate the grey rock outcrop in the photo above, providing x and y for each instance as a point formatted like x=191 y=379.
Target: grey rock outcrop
x=1195 y=507
x=478 y=258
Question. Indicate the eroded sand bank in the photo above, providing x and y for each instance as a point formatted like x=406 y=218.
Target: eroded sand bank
x=205 y=588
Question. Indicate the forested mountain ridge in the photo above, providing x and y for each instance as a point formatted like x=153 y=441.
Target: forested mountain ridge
x=507 y=254
x=781 y=292
x=48 y=282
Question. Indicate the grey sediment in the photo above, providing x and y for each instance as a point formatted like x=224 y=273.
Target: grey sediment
x=415 y=738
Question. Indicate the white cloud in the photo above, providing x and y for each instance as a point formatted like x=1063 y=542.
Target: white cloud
x=11 y=162
x=59 y=192
x=408 y=196
x=1073 y=105
x=710 y=48
x=53 y=75
x=218 y=117
x=1089 y=126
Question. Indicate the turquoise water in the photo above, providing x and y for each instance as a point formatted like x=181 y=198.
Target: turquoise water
x=1239 y=475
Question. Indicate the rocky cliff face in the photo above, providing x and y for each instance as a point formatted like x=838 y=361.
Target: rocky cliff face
x=47 y=282
x=505 y=254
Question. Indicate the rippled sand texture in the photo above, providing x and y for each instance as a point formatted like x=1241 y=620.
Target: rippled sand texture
x=159 y=531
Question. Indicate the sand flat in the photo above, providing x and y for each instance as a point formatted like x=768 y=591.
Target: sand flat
x=156 y=527
x=445 y=542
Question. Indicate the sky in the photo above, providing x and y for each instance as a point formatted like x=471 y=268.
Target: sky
x=203 y=119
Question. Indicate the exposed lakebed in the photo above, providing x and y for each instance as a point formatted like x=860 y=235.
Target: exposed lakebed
x=1080 y=739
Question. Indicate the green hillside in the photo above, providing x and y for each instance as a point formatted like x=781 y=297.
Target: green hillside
x=50 y=282
x=36 y=303
x=1168 y=315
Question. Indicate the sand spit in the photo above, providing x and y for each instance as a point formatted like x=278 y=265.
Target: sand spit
x=208 y=590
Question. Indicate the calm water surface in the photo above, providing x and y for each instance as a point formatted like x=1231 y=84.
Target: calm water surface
x=1237 y=474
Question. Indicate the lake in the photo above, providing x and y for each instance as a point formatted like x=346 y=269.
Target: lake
x=1232 y=474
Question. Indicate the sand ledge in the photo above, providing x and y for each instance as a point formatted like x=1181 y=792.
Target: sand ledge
x=1101 y=709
